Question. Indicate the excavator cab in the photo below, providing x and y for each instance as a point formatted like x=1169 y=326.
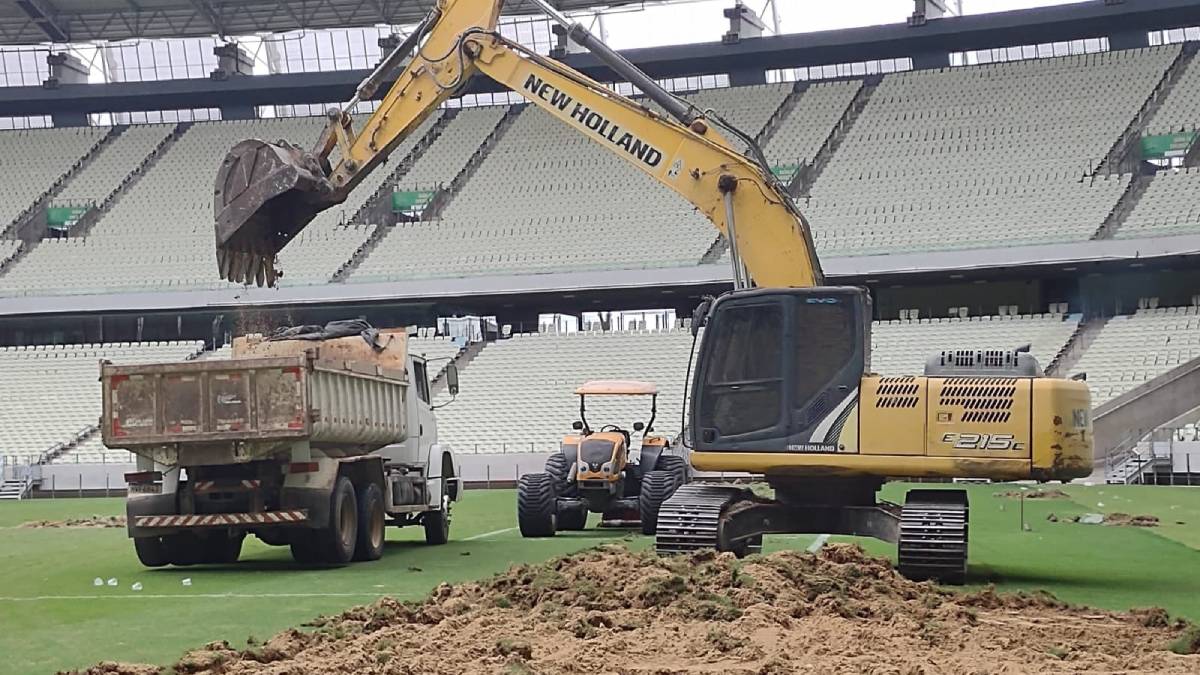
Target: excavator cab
x=264 y=195
x=778 y=369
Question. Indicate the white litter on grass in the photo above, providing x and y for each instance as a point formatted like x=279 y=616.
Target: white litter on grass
x=1100 y=504
x=1091 y=518
x=97 y=582
x=137 y=586
x=187 y=581
x=112 y=581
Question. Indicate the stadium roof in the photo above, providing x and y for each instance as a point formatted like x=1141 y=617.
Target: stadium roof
x=37 y=21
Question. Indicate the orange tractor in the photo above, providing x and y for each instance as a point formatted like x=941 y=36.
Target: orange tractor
x=598 y=471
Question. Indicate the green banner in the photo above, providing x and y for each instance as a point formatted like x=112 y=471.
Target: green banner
x=1167 y=145
x=404 y=201
x=64 y=216
x=785 y=172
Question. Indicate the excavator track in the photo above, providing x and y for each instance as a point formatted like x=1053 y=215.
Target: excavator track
x=689 y=520
x=933 y=535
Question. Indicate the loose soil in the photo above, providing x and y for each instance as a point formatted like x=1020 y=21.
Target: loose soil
x=612 y=611
x=1126 y=519
x=91 y=521
x=1050 y=493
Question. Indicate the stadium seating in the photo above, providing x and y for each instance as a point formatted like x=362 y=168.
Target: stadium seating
x=457 y=143
x=35 y=159
x=1181 y=109
x=114 y=162
x=1130 y=350
x=546 y=198
x=747 y=108
x=8 y=249
x=806 y=126
x=49 y=395
x=901 y=347
x=168 y=213
x=990 y=155
x=1169 y=206
x=517 y=395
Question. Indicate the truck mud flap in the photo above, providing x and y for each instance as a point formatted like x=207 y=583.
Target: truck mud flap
x=199 y=520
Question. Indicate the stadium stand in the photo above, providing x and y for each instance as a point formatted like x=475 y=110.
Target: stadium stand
x=518 y=395
x=806 y=126
x=1169 y=206
x=8 y=249
x=48 y=394
x=168 y=214
x=35 y=160
x=118 y=157
x=555 y=185
x=1181 y=109
x=459 y=140
x=747 y=108
x=983 y=155
x=901 y=347
x=1132 y=349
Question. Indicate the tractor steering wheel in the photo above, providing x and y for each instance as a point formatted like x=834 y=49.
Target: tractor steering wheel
x=614 y=427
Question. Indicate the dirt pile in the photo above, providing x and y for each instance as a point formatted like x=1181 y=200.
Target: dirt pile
x=91 y=521
x=612 y=611
x=1040 y=493
x=1126 y=519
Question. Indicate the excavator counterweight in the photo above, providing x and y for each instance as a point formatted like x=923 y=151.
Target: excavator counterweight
x=265 y=194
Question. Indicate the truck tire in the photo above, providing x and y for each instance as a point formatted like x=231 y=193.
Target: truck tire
x=537 y=505
x=657 y=487
x=437 y=523
x=150 y=551
x=674 y=464
x=371 y=524
x=339 y=538
x=223 y=548
x=184 y=549
x=559 y=468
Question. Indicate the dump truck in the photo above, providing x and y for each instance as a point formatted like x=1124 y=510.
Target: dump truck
x=316 y=445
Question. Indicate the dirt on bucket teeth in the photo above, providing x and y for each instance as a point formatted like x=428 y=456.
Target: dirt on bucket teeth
x=609 y=610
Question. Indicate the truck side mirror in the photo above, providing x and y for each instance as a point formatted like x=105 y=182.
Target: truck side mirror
x=700 y=315
x=638 y=426
x=577 y=425
x=452 y=379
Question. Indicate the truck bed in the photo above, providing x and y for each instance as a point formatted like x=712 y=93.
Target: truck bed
x=209 y=412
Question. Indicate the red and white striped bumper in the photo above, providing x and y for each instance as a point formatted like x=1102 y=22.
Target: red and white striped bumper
x=224 y=519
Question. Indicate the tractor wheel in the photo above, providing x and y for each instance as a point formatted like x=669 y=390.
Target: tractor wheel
x=341 y=535
x=559 y=468
x=537 y=503
x=573 y=519
x=657 y=487
x=371 y=524
x=674 y=464
x=150 y=551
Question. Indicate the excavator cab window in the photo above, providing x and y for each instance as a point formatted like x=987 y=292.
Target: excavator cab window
x=774 y=367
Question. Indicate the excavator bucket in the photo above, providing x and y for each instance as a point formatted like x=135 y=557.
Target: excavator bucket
x=265 y=194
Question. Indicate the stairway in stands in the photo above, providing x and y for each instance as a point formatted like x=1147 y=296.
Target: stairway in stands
x=379 y=205
x=802 y=183
x=12 y=490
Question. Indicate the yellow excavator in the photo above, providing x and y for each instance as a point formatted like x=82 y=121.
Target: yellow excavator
x=782 y=385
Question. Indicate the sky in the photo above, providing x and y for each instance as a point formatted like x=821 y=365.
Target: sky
x=702 y=20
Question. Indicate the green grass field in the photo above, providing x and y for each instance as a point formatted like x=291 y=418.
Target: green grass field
x=55 y=618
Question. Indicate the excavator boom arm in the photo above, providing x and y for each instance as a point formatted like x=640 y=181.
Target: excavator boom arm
x=770 y=235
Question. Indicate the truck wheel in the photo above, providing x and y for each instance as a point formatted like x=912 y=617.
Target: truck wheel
x=224 y=548
x=537 y=505
x=657 y=487
x=150 y=551
x=437 y=523
x=184 y=549
x=341 y=535
x=559 y=469
x=370 y=524
x=674 y=464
